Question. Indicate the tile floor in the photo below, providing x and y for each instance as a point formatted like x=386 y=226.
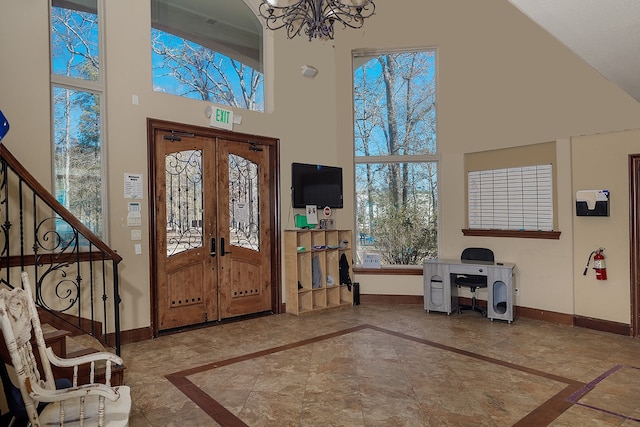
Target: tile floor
x=384 y=365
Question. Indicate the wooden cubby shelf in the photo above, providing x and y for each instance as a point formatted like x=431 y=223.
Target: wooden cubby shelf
x=307 y=251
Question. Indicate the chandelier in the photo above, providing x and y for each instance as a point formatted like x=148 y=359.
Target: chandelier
x=315 y=17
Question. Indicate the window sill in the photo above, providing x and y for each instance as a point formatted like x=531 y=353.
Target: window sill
x=403 y=270
x=555 y=235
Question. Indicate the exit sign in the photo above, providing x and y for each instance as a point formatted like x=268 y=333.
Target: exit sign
x=221 y=118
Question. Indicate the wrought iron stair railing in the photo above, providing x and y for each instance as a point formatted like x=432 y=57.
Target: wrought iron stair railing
x=75 y=273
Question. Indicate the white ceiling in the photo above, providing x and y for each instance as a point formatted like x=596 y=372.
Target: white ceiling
x=228 y=27
x=605 y=33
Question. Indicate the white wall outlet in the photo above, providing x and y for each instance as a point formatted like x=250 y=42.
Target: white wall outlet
x=138 y=248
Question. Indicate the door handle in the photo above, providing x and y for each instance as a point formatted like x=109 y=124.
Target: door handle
x=222 y=251
x=212 y=247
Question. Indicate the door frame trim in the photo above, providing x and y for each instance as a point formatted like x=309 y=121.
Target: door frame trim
x=634 y=238
x=154 y=125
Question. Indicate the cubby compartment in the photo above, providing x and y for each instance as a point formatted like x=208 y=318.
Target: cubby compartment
x=331 y=239
x=318 y=269
x=304 y=299
x=318 y=240
x=333 y=296
x=332 y=277
x=319 y=298
x=304 y=272
x=304 y=241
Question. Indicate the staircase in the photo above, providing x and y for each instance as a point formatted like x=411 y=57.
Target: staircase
x=74 y=272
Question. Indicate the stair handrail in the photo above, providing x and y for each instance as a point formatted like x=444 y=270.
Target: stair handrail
x=54 y=204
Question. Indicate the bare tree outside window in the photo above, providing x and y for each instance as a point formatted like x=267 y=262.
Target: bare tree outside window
x=184 y=68
x=77 y=155
x=396 y=156
x=77 y=125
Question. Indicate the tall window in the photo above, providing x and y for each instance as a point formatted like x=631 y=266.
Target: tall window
x=396 y=159
x=210 y=51
x=77 y=98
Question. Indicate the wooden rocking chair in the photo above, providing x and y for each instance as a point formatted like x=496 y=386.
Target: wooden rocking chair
x=92 y=404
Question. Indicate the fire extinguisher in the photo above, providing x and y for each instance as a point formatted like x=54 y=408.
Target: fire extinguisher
x=598 y=264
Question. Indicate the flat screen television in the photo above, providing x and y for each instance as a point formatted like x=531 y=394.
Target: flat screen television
x=316 y=185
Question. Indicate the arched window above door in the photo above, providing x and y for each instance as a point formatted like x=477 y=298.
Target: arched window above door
x=212 y=51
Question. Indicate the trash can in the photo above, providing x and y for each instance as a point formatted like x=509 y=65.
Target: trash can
x=356 y=293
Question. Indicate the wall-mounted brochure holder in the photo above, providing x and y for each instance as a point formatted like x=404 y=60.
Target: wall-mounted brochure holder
x=592 y=203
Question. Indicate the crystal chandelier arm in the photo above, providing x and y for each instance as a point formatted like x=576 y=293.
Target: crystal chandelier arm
x=351 y=16
x=299 y=17
x=277 y=17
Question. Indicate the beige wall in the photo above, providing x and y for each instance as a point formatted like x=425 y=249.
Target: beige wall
x=601 y=162
x=502 y=82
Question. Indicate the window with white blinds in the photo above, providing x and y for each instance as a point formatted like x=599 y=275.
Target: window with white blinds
x=519 y=198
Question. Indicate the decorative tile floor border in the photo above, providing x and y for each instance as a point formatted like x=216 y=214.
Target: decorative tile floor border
x=579 y=394
x=542 y=415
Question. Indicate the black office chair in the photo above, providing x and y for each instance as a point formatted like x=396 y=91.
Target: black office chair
x=473 y=281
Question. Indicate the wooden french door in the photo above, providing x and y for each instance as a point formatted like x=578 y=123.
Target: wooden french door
x=214 y=228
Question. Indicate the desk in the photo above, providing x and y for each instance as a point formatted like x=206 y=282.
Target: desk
x=441 y=294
